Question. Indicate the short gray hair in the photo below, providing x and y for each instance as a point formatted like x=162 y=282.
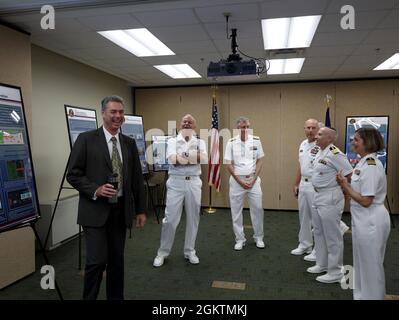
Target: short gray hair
x=241 y=119
x=112 y=98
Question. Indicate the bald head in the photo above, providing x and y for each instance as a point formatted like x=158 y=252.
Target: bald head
x=311 y=128
x=188 y=122
x=325 y=137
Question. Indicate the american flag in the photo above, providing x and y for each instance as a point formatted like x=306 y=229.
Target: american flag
x=214 y=155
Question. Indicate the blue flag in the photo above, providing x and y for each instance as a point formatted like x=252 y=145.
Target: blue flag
x=328 y=121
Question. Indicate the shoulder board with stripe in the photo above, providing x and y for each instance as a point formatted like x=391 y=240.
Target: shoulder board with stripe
x=334 y=149
x=256 y=138
x=371 y=161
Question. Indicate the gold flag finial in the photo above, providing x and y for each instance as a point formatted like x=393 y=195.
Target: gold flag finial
x=328 y=99
x=214 y=88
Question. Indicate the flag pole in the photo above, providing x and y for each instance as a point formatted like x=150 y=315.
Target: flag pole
x=211 y=210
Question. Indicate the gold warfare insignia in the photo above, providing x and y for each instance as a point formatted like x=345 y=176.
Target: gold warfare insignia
x=371 y=161
x=334 y=150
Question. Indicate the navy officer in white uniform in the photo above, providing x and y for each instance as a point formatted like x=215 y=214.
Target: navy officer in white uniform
x=243 y=156
x=185 y=153
x=370 y=218
x=304 y=191
x=329 y=204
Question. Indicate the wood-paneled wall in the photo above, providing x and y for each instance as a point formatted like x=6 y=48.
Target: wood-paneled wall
x=277 y=113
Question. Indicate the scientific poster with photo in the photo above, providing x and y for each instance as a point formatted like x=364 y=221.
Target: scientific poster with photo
x=159 y=146
x=381 y=123
x=79 y=120
x=18 y=195
x=133 y=127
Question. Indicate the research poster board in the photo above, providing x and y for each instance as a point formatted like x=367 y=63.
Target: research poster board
x=159 y=147
x=381 y=123
x=18 y=197
x=79 y=120
x=133 y=127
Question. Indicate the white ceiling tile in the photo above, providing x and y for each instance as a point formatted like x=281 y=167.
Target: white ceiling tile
x=292 y=8
x=245 y=45
x=326 y=51
x=390 y=21
x=61 y=26
x=381 y=36
x=370 y=61
x=309 y=68
x=383 y=50
x=363 y=21
x=110 y=22
x=180 y=33
x=163 y=60
x=200 y=58
x=348 y=37
x=323 y=61
x=123 y=62
x=111 y=52
x=83 y=40
x=245 y=29
x=248 y=11
x=361 y=5
x=166 y=18
x=192 y=47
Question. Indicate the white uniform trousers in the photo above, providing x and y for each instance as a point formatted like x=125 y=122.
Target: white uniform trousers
x=370 y=231
x=181 y=191
x=306 y=213
x=237 y=194
x=329 y=204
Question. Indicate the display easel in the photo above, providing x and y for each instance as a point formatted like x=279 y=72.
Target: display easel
x=150 y=195
x=62 y=187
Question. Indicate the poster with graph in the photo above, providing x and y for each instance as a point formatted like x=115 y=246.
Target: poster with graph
x=18 y=192
x=381 y=123
x=133 y=127
x=79 y=120
x=159 y=147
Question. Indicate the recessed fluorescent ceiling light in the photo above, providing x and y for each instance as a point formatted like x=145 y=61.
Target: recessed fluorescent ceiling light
x=390 y=64
x=284 y=33
x=178 y=71
x=285 y=66
x=140 y=42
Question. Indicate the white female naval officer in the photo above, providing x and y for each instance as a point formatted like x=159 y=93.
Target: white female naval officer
x=370 y=218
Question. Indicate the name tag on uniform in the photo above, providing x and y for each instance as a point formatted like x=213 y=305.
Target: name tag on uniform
x=253 y=148
x=323 y=161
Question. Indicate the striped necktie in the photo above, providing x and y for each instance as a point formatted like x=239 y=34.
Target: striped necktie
x=117 y=163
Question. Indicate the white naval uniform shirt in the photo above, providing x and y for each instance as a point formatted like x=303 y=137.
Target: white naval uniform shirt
x=327 y=164
x=244 y=154
x=369 y=179
x=179 y=145
x=307 y=154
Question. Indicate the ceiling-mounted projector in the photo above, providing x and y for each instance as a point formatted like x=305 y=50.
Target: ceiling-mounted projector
x=233 y=65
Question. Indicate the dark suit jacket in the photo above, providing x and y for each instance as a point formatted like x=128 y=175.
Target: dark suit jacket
x=90 y=166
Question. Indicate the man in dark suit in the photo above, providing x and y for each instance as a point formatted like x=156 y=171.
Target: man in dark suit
x=105 y=212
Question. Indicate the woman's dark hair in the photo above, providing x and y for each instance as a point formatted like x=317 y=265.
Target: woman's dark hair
x=372 y=139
